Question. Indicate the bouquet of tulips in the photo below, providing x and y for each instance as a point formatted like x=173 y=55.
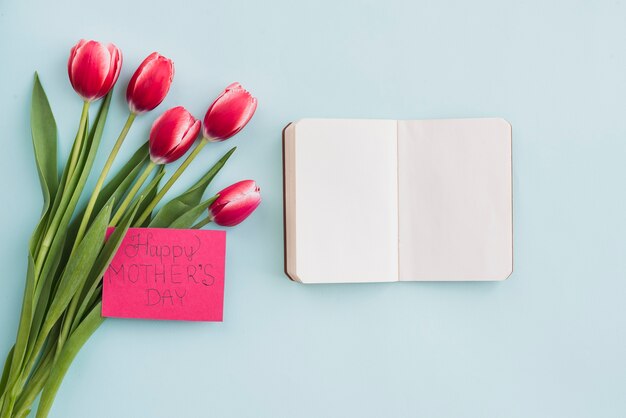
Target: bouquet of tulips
x=68 y=253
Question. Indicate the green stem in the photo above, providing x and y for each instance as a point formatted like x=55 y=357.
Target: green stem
x=7 y=406
x=5 y=372
x=56 y=220
x=102 y=178
x=79 y=137
x=132 y=193
x=34 y=386
x=45 y=347
x=171 y=181
x=37 y=348
x=203 y=222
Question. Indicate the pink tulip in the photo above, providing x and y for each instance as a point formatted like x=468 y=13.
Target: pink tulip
x=172 y=134
x=150 y=83
x=94 y=68
x=235 y=203
x=229 y=113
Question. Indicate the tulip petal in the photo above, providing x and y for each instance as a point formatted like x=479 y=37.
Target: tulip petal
x=114 y=69
x=93 y=68
x=238 y=210
x=89 y=69
x=172 y=134
x=235 y=203
x=163 y=135
x=229 y=113
x=150 y=83
x=233 y=86
x=188 y=138
x=73 y=55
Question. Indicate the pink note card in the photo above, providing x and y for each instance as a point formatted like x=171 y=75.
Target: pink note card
x=173 y=274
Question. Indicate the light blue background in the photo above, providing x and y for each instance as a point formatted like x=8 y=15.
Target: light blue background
x=548 y=342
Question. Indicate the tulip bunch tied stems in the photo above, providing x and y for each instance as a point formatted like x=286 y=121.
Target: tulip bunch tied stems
x=68 y=252
x=26 y=351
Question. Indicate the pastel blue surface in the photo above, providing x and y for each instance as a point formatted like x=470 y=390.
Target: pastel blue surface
x=548 y=342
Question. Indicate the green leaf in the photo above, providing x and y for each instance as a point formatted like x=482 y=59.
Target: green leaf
x=187 y=219
x=44 y=136
x=5 y=370
x=40 y=229
x=90 y=150
x=62 y=211
x=104 y=259
x=78 y=266
x=96 y=297
x=85 y=163
x=44 y=133
x=50 y=276
x=35 y=383
x=149 y=193
x=194 y=194
x=23 y=330
x=66 y=186
x=65 y=358
x=116 y=188
x=44 y=289
x=24 y=415
x=168 y=214
x=120 y=183
x=185 y=202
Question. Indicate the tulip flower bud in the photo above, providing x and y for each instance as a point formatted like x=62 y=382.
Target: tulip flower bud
x=235 y=203
x=94 y=68
x=229 y=113
x=172 y=134
x=150 y=83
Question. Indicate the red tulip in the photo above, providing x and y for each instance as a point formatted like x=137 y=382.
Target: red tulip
x=229 y=113
x=172 y=134
x=150 y=83
x=93 y=68
x=235 y=203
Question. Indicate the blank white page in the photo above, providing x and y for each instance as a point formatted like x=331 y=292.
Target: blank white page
x=346 y=216
x=455 y=207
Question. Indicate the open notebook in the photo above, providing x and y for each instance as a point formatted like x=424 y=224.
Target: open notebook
x=386 y=200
